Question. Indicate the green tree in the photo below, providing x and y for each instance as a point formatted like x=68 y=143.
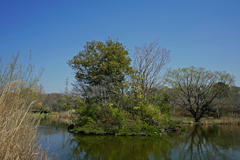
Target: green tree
x=100 y=59
x=233 y=103
x=101 y=69
x=111 y=90
x=222 y=98
x=197 y=88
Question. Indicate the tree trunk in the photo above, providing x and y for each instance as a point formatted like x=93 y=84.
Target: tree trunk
x=174 y=110
x=217 y=114
x=195 y=117
x=198 y=118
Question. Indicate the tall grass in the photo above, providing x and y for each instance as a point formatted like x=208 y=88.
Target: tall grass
x=18 y=94
x=18 y=129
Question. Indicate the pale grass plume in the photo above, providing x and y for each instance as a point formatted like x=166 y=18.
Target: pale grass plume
x=18 y=129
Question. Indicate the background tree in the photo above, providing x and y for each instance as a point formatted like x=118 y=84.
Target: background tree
x=50 y=102
x=234 y=100
x=198 y=88
x=222 y=99
x=174 y=100
x=150 y=62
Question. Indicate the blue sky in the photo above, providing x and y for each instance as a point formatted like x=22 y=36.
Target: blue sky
x=200 y=33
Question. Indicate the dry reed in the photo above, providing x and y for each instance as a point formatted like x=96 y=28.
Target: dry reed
x=18 y=129
x=230 y=121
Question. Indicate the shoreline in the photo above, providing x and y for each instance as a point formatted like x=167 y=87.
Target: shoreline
x=203 y=121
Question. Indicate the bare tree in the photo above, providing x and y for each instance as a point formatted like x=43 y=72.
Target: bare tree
x=103 y=93
x=150 y=63
x=50 y=102
x=197 y=88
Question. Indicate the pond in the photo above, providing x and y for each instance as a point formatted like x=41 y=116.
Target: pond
x=199 y=142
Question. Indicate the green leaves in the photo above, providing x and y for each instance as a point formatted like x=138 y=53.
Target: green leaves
x=101 y=59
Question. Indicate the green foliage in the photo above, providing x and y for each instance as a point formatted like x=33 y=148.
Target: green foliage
x=150 y=114
x=163 y=104
x=93 y=112
x=134 y=128
x=86 y=120
x=113 y=98
x=222 y=88
x=141 y=118
x=150 y=129
x=120 y=147
x=101 y=59
x=130 y=127
x=88 y=110
x=110 y=119
x=93 y=128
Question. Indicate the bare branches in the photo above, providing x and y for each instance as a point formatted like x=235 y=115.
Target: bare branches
x=198 y=88
x=13 y=71
x=102 y=93
x=150 y=62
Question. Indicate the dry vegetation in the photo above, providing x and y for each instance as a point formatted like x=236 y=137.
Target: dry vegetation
x=211 y=120
x=18 y=130
x=230 y=121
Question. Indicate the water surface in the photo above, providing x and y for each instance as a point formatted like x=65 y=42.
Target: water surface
x=199 y=142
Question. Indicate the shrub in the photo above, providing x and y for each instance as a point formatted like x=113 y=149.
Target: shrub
x=91 y=128
x=135 y=128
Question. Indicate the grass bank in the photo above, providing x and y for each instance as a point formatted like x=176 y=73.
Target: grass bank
x=209 y=121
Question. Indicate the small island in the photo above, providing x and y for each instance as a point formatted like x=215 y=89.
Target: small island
x=111 y=96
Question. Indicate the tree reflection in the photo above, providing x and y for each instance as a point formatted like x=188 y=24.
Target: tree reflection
x=199 y=142
x=206 y=142
x=113 y=147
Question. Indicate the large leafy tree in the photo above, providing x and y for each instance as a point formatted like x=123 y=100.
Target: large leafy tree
x=197 y=88
x=101 y=68
x=100 y=59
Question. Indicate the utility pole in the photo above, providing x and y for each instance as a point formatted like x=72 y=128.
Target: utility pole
x=67 y=85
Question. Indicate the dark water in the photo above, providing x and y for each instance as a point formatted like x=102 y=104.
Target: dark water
x=199 y=142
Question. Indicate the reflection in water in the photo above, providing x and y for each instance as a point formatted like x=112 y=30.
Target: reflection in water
x=111 y=147
x=200 y=142
x=208 y=142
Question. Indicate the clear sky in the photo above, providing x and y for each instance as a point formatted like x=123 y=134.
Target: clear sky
x=203 y=33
